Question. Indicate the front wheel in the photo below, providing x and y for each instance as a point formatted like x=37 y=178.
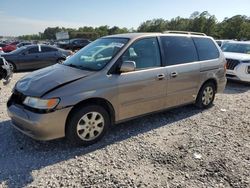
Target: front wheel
x=206 y=96
x=87 y=125
x=60 y=61
x=12 y=67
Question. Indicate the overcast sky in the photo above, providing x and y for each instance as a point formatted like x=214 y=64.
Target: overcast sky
x=19 y=17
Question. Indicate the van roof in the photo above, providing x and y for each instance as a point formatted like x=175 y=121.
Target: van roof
x=139 y=35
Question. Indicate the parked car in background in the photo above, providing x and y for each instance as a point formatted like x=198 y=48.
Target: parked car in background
x=222 y=42
x=7 y=47
x=35 y=57
x=23 y=44
x=238 y=60
x=114 y=79
x=1 y=50
x=74 y=44
x=5 y=71
x=14 y=43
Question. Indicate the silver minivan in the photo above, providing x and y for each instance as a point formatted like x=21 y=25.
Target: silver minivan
x=114 y=79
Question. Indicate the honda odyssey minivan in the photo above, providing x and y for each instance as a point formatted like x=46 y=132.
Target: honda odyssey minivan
x=114 y=79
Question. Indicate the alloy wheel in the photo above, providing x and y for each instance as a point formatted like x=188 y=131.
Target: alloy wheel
x=90 y=126
x=207 y=96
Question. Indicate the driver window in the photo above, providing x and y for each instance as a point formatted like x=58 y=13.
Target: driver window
x=145 y=53
x=33 y=50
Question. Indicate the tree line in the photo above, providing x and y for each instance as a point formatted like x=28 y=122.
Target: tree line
x=236 y=27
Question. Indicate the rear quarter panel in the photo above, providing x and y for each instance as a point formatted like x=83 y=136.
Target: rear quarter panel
x=214 y=69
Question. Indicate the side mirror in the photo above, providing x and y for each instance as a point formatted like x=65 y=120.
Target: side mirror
x=128 y=66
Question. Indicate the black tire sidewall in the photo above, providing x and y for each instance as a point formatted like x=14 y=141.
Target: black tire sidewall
x=199 y=102
x=60 y=61
x=71 y=129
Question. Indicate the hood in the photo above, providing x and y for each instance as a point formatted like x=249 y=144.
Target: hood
x=8 y=55
x=42 y=81
x=237 y=56
x=4 y=54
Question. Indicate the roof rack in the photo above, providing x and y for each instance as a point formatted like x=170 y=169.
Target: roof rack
x=186 y=32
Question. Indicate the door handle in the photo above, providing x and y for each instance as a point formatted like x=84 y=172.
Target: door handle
x=160 y=76
x=174 y=74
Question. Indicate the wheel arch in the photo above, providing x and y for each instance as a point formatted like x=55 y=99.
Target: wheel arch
x=14 y=64
x=212 y=80
x=94 y=101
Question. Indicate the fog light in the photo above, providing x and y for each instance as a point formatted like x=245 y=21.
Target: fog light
x=248 y=69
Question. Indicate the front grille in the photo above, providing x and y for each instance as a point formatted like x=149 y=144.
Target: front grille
x=231 y=64
x=16 y=98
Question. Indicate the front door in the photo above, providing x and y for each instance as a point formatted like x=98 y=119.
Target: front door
x=30 y=58
x=49 y=56
x=143 y=90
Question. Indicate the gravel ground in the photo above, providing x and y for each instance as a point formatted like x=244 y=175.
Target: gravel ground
x=183 y=147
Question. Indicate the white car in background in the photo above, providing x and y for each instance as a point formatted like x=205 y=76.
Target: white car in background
x=1 y=51
x=222 y=42
x=238 y=60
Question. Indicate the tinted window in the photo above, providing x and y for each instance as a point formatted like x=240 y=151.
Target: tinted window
x=76 y=42
x=145 y=53
x=206 y=49
x=179 y=50
x=48 y=49
x=79 y=41
x=33 y=50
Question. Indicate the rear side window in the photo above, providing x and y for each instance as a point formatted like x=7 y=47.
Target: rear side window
x=179 y=50
x=48 y=49
x=33 y=50
x=206 y=49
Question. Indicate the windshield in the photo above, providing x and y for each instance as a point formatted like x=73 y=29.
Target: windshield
x=97 y=54
x=236 y=48
x=18 y=50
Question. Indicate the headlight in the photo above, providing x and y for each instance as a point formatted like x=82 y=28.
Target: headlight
x=43 y=104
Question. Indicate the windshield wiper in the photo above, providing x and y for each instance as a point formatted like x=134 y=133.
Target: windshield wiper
x=71 y=65
x=79 y=67
x=86 y=68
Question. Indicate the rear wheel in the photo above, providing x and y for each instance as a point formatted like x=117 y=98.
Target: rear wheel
x=87 y=125
x=206 y=95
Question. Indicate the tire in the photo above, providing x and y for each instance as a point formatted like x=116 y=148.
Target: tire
x=3 y=73
x=60 y=61
x=83 y=129
x=206 y=96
